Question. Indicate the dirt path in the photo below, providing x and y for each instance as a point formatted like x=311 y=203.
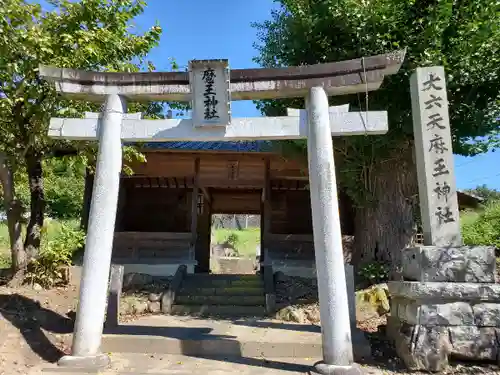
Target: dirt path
x=35 y=326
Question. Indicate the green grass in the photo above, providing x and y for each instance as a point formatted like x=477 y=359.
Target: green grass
x=247 y=239
x=4 y=246
x=468 y=217
x=52 y=229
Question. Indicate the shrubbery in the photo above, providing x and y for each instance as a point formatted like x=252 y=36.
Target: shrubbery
x=50 y=268
x=374 y=273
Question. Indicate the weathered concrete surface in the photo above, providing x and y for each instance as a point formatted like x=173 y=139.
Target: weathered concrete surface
x=451 y=264
x=445 y=291
x=164 y=334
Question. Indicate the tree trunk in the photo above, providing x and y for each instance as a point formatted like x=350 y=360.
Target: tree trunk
x=387 y=226
x=14 y=210
x=37 y=204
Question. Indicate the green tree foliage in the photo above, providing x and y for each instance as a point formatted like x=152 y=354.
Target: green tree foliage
x=88 y=34
x=64 y=180
x=378 y=172
x=485 y=192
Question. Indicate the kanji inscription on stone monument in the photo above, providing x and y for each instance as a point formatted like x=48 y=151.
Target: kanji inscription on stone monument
x=434 y=156
x=209 y=80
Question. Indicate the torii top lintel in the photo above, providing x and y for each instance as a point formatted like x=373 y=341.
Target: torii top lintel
x=337 y=78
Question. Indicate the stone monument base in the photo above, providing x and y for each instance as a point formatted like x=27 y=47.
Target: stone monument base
x=441 y=315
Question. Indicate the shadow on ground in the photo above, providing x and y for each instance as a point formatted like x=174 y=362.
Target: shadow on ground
x=29 y=317
x=179 y=333
x=261 y=362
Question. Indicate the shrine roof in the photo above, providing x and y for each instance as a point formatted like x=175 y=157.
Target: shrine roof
x=242 y=146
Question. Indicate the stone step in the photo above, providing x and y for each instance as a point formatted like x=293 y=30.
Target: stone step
x=221 y=300
x=222 y=291
x=198 y=282
x=212 y=276
x=219 y=310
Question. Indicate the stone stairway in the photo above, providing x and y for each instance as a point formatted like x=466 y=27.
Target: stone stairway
x=229 y=296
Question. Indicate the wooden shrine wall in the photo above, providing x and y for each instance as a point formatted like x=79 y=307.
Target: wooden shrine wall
x=156 y=210
x=291 y=230
x=152 y=224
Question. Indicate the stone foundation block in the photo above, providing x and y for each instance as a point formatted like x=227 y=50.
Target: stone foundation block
x=432 y=314
x=429 y=347
x=443 y=292
x=420 y=347
x=474 y=343
x=475 y=264
x=486 y=314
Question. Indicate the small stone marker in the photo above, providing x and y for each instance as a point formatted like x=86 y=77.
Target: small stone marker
x=434 y=157
x=209 y=80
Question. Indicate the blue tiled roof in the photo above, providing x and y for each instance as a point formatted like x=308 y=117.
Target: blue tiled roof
x=242 y=146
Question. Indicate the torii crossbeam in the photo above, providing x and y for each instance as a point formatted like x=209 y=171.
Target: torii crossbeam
x=210 y=87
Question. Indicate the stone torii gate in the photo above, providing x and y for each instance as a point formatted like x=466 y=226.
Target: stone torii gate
x=210 y=87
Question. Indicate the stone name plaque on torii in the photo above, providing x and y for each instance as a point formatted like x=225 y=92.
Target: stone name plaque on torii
x=211 y=101
x=212 y=121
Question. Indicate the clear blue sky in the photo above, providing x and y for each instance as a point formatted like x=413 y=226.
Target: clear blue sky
x=201 y=29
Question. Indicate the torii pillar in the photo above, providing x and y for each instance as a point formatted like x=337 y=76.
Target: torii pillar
x=212 y=121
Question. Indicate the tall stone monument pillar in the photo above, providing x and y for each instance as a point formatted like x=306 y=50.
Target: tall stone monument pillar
x=434 y=157
x=445 y=306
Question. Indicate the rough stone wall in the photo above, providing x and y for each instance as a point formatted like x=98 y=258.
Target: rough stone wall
x=451 y=309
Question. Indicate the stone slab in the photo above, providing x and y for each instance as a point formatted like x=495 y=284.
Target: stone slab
x=445 y=291
x=163 y=334
x=432 y=314
x=154 y=364
x=450 y=264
